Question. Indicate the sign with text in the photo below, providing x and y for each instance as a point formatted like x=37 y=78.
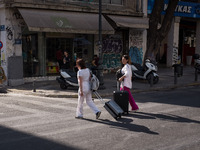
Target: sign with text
x=183 y=9
x=2 y=28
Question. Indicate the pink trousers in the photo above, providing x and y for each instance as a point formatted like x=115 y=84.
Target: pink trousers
x=131 y=99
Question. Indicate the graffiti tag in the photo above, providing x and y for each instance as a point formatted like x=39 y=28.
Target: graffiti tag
x=9 y=33
x=175 y=55
x=112 y=46
x=111 y=61
x=136 y=55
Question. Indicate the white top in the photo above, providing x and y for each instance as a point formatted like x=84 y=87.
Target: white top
x=127 y=71
x=85 y=74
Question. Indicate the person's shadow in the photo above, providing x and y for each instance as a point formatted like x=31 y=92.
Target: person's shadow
x=124 y=124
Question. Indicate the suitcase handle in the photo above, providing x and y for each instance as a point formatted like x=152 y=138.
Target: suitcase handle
x=99 y=97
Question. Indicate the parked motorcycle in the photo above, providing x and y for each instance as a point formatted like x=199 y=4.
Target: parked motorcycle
x=145 y=72
x=197 y=62
x=67 y=78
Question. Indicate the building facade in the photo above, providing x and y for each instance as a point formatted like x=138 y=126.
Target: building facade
x=32 y=31
x=182 y=41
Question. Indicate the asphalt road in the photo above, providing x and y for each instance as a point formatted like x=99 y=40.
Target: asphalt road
x=167 y=120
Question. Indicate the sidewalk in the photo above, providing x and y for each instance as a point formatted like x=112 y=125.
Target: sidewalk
x=51 y=88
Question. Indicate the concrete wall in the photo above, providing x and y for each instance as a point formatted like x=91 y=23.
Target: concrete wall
x=197 y=50
x=137 y=45
x=11 y=38
x=173 y=42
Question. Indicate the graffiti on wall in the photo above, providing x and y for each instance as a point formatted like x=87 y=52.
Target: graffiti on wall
x=136 y=51
x=3 y=58
x=111 y=61
x=112 y=48
x=136 y=55
x=175 y=55
x=9 y=33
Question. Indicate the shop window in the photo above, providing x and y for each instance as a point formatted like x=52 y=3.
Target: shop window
x=83 y=47
x=30 y=55
x=52 y=46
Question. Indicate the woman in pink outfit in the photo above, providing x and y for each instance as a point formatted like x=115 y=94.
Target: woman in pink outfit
x=126 y=82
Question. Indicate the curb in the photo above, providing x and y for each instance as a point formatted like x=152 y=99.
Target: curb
x=102 y=94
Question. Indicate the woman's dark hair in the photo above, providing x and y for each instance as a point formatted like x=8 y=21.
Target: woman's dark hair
x=127 y=58
x=81 y=63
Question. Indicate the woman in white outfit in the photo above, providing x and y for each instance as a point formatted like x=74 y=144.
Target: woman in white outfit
x=84 y=91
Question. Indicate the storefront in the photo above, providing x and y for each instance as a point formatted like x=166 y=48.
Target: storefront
x=180 y=44
x=58 y=31
x=187 y=41
x=38 y=34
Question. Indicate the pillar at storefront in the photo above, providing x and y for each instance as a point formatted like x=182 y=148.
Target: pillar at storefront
x=197 y=50
x=3 y=39
x=42 y=53
x=173 y=42
x=11 y=53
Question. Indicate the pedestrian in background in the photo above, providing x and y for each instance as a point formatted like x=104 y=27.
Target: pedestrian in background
x=66 y=60
x=84 y=91
x=126 y=81
x=95 y=64
x=59 y=57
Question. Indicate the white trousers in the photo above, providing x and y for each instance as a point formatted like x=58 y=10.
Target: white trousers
x=90 y=103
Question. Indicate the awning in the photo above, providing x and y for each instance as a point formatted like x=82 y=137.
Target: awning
x=129 y=22
x=63 y=21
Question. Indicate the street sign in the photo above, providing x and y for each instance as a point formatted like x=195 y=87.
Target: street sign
x=1 y=45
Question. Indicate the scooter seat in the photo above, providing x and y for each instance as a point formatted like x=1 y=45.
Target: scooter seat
x=138 y=66
x=138 y=72
x=73 y=80
x=70 y=72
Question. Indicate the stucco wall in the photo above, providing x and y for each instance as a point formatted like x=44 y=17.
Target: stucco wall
x=10 y=36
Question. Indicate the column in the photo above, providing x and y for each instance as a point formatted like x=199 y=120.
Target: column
x=173 y=42
x=197 y=49
x=3 y=38
x=144 y=43
x=42 y=53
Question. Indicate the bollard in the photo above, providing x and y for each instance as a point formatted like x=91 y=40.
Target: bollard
x=175 y=77
x=178 y=72
x=151 y=80
x=196 y=74
x=34 y=89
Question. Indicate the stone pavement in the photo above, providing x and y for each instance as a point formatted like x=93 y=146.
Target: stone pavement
x=50 y=88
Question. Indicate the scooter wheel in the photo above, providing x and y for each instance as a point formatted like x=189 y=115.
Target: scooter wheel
x=63 y=86
x=155 y=79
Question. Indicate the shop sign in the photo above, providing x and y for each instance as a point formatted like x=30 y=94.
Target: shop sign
x=1 y=45
x=2 y=28
x=183 y=9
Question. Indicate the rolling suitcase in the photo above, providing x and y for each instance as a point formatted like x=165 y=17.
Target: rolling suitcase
x=122 y=99
x=112 y=107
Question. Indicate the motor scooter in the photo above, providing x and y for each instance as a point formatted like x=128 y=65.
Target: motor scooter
x=197 y=62
x=67 y=78
x=145 y=72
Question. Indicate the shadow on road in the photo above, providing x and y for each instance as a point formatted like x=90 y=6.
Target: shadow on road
x=124 y=124
x=167 y=117
x=15 y=140
x=182 y=97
